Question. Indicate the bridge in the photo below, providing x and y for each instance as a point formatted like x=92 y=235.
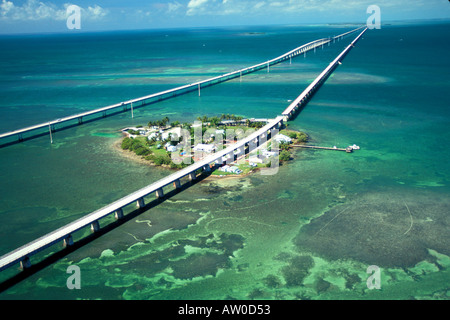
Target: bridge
x=53 y=125
x=303 y=98
x=253 y=141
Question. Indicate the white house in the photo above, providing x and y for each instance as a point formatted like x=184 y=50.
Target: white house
x=172 y=148
x=174 y=131
x=267 y=153
x=282 y=138
x=205 y=147
x=227 y=168
x=153 y=135
x=255 y=160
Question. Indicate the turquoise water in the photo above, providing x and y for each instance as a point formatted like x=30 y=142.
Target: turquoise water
x=308 y=232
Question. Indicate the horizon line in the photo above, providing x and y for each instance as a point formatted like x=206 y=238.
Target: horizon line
x=80 y=32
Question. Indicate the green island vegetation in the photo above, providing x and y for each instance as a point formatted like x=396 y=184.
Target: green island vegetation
x=154 y=142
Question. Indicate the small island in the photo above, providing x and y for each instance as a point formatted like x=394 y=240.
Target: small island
x=155 y=143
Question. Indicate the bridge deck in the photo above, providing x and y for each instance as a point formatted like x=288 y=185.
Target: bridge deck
x=322 y=76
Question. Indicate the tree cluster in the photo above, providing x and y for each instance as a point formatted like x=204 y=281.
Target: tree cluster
x=159 y=123
x=138 y=146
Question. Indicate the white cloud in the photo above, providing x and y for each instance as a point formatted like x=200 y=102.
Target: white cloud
x=174 y=6
x=6 y=7
x=33 y=10
x=96 y=12
x=290 y=7
x=196 y=7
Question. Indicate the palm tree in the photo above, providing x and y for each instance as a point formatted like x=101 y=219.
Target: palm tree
x=214 y=121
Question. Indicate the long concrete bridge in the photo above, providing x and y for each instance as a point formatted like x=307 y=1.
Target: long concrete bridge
x=303 y=98
x=54 y=125
x=64 y=234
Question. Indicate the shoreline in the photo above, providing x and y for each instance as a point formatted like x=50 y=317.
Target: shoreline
x=131 y=156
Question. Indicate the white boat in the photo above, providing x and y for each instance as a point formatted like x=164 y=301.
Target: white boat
x=355 y=147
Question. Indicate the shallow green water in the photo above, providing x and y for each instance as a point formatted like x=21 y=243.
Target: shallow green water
x=308 y=232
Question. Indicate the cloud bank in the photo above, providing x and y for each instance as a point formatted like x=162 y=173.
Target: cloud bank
x=34 y=10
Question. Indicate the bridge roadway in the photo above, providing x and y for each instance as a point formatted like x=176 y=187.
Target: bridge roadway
x=22 y=255
x=303 y=97
x=152 y=98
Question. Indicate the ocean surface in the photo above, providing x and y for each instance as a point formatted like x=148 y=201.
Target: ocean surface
x=308 y=232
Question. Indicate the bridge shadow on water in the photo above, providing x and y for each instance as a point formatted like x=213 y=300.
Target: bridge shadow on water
x=55 y=257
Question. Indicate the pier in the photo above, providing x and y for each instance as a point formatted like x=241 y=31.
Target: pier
x=93 y=221
x=348 y=149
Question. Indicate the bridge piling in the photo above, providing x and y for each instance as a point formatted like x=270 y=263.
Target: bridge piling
x=140 y=203
x=68 y=241
x=25 y=263
x=177 y=184
x=95 y=226
x=159 y=193
x=50 y=131
x=118 y=214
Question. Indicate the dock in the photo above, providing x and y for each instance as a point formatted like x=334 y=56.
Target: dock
x=348 y=149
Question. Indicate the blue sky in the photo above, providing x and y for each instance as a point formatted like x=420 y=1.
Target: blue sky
x=30 y=16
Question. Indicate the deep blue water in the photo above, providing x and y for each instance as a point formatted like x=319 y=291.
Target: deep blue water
x=309 y=231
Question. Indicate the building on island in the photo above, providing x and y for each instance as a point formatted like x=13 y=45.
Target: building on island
x=281 y=138
x=230 y=169
x=174 y=131
x=208 y=148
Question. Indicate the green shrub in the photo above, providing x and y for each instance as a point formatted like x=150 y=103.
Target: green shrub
x=126 y=143
x=142 y=151
x=302 y=137
x=136 y=144
x=162 y=159
x=284 y=146
x=285 y=155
